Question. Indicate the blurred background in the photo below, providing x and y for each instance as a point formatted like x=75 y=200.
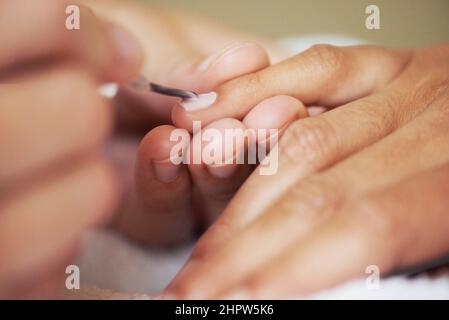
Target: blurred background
x=403 y=22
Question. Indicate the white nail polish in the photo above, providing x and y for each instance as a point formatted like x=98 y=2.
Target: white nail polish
x=203 y=101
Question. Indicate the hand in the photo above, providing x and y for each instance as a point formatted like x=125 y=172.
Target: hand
x=53 y=186
x=363 y=184
x=167 y=203
x=177 y=46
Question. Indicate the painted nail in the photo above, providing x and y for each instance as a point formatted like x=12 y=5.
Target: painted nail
x=214 y=58
x=165 y=171
x=203 y=101
x=126 y=46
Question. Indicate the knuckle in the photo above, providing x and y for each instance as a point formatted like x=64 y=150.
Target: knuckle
x=240 y=89
x=374 y=218
x=254 y=81
x=307 y=142
x=317 y=193
x=328 y=60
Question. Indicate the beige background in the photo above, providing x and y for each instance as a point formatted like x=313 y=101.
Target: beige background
x=403 y=22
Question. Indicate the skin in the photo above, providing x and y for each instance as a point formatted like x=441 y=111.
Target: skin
x=375 y=223
x=362 y=184
x=54 y=185
x=166 y=204
x=56 y=165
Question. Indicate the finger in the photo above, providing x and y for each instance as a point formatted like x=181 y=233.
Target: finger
x=275 y=113
x=233 y=61
x=389 y=160
x=37 y=31
x=310 y=145
x=183 y=48
x=209 y=35
x=191 y=71
x=369 y=230
x=69 y=119
x=377 y=166
x=160 y=212
x=387 y=229
x=217 y=166
x=231 y=250
x=39 y=225
x=321 y=75
x=241 y=146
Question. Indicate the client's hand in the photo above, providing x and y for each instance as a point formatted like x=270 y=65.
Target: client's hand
x=166 y=203
x=363 y=184
x=53 y=185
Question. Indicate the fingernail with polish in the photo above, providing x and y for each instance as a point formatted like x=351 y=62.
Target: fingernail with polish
x=165 y=171
x=203 y=101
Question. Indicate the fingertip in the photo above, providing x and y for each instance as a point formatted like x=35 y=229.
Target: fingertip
x=218 y=153
x=232 y=62
x=183 y=119
x=158 y=143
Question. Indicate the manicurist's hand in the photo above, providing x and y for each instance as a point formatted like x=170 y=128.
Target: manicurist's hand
x=53 y=185
x=363 y=184
x=181 y=50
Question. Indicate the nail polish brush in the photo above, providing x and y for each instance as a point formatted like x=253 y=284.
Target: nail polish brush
x=191 y=101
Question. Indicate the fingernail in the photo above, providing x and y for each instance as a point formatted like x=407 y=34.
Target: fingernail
x=203 y=101
x=126 y=46
x=217 y=56
x=165 y=171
